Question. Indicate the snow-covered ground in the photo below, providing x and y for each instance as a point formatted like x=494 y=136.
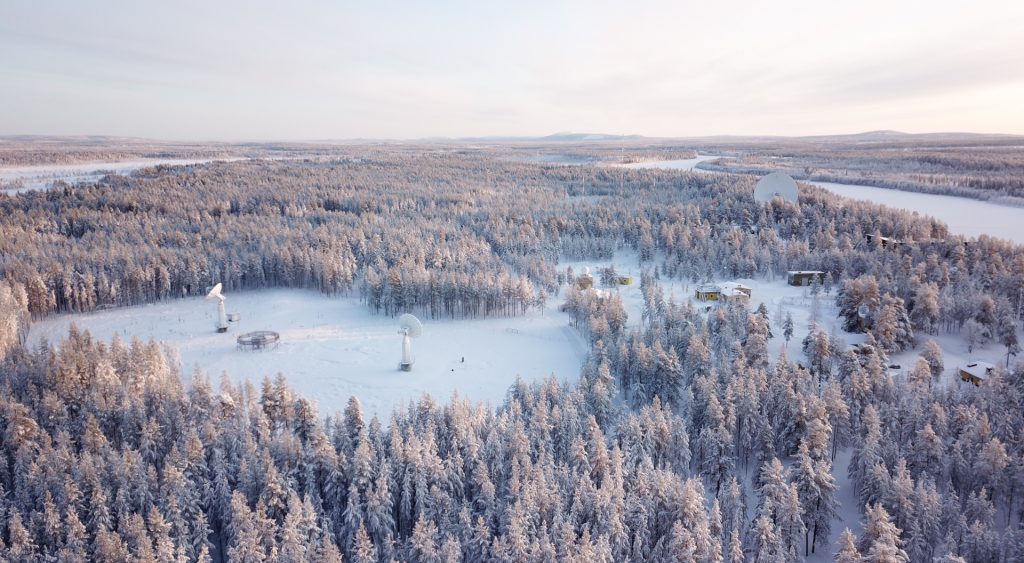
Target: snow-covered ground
x=954 y=354
x=332 y=348
x=969 y=217
x=42 y=177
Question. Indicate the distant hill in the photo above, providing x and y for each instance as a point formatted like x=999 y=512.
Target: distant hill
x=878 y=136
x=889 y=135
x=584 y=137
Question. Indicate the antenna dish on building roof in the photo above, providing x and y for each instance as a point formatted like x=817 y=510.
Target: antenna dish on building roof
x=775 y=185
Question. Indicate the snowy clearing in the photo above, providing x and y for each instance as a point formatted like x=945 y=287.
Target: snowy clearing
x=332 y=348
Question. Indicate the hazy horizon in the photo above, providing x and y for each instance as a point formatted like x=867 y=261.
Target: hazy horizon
x=311 y=71
x=497 y=138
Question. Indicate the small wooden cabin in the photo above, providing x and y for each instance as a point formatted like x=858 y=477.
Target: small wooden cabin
x=804 y=277
x=624 y=280
x=976 y=372
x=585 y=281
x=708 y=293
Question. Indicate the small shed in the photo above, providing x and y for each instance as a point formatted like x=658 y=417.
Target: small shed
x=708 y=292
x=585 y=281
x=624 y=280
x=976 y=371
x=804 y=277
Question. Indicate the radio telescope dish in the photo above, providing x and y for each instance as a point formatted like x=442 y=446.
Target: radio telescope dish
x=215 y=292
x=775 y=185
x=222 y=315
x=409 y=327
x=863 y=311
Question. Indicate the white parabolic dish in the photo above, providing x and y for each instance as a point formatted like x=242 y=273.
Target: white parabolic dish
x=775 y=185
x=411 y=324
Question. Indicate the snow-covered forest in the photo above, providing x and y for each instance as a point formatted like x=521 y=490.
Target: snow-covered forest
x=687 y=437
x=981 y=167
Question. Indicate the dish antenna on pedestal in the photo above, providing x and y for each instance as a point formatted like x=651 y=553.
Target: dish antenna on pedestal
x=409 y=327
x=222 y=315
x=775 y=185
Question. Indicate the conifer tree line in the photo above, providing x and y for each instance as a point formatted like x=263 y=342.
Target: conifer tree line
x=452 y=234
x=684 y=440
x=14 y=317
x=681 y=441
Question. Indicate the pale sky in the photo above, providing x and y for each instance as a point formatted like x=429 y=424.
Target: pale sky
x=305 y=70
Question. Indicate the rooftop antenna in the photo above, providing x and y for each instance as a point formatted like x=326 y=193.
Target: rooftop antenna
x=409 y=327
x=222 y=316
x=776 y=184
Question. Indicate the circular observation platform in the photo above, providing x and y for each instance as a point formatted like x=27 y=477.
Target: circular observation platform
x=258 y=340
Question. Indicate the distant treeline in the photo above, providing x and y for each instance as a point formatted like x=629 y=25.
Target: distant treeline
x=987 y=173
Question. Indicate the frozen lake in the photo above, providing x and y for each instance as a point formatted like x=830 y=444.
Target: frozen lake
x=965 y=216
x=969 y=217
x=42 y=177
x=334 y=347
x=687 y=164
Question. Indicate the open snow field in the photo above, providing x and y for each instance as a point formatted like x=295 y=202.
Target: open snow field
x=334 y=347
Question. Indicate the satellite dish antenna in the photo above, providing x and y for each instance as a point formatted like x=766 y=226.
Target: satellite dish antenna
x=409 y=327
x=222 y=315
x=863 y=311
x=775 y=185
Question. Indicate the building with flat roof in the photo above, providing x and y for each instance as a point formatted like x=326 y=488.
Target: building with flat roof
x=976 y=371
x=804 y=277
